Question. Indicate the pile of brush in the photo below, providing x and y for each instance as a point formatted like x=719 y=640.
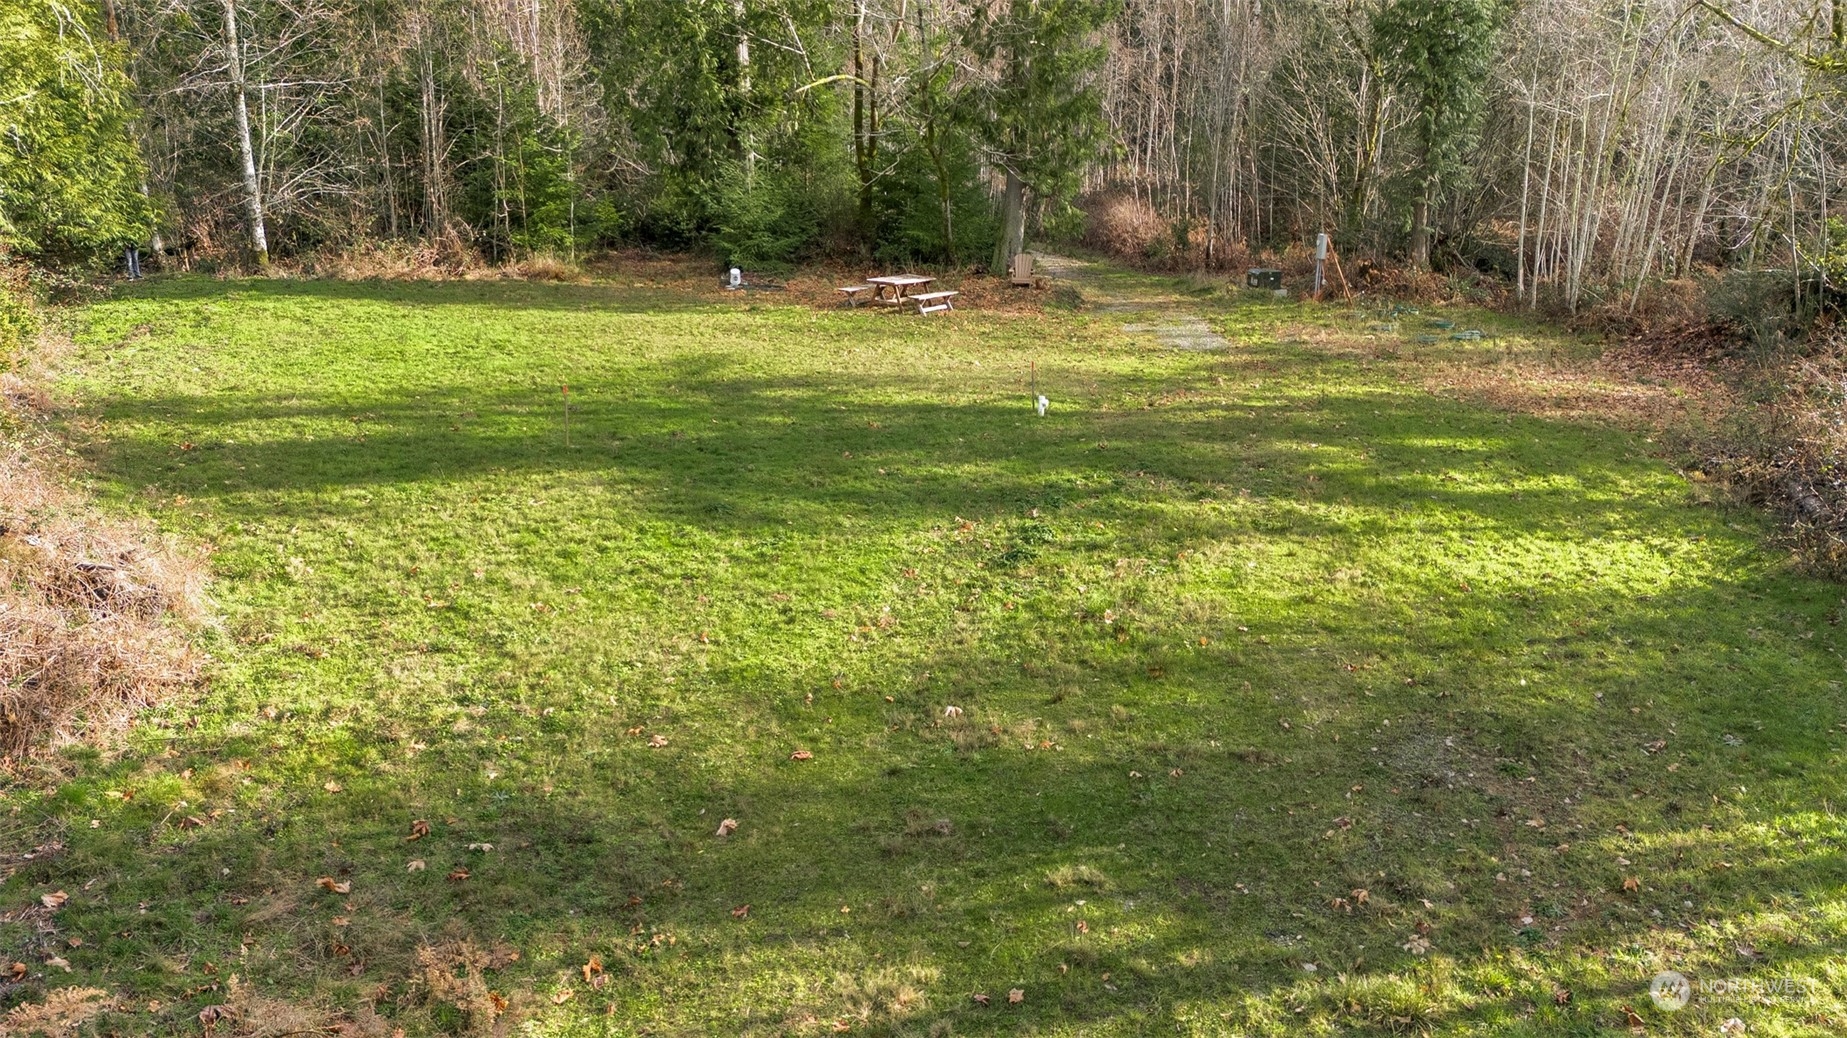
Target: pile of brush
x=94 y=613
x=1786 y=445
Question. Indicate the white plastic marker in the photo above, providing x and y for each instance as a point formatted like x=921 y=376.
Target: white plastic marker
x=1042 y=405
x=737 y=279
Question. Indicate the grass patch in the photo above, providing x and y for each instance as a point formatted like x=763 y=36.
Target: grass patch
x=1259 y=691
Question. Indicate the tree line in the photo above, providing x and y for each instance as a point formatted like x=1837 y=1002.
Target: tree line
x=1577 y=147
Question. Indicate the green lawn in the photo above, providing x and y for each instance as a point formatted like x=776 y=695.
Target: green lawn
x=1294 y=699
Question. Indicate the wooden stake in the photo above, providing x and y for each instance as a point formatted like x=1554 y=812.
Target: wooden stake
x=565 y=387
x=1334 y=254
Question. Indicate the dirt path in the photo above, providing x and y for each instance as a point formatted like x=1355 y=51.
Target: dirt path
x=1112 y=291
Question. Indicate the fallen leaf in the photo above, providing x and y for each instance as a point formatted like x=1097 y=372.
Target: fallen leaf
x=1360 y=895
x=727 y=827
x=657 y=740
x=563 y=995
x=741 y=912
x=637 y=730
x=457 y=874
x=328 y=883
x=414 y=865
x=498 y=1001
x=842 y=1027
x=1561 y=996
x=1083 y=926
x=1630 y=1016
x=801 y=755
x=332 y=786
x=1015 y=997
x=952 y=711
x=482 y=847
x=17 y=971
x=979 y=999
x=592 y=968
x=1631 y=884
x=58 y=962
x=418 y=830
x=341 y=920
x=54 y=900
x=211 y=1015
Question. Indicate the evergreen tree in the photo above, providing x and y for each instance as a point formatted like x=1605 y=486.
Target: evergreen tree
x=1041 y=116
x=70 y=176
x=1439 y=51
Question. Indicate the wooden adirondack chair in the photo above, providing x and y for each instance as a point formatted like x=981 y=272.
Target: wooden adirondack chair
x=1023 y=270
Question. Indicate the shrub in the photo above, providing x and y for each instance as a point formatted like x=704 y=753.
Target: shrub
x=18 y=317
x=777 y=217
x=1760 y=307
x=1122 y=225
x=909 y=219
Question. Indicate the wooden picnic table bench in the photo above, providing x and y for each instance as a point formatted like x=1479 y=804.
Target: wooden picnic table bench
x=852 y=292
x=899 y=284
x=931 y=302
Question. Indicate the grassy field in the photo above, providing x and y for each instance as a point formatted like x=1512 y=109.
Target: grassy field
x=1251 y=692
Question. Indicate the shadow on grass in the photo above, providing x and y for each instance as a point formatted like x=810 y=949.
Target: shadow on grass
x=731 y=451
x=610 y=295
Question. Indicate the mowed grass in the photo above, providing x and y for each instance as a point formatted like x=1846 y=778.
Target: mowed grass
x=1256 y=692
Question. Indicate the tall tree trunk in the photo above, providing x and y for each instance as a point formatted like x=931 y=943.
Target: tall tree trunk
x=1420 y=228
x=435 y=148
x=388 y=180
x=862 y=128
x=744 y=134
x=1012 y=224
x=934 y=145
x=156 y=244
x=933 y=142
x=240 y=107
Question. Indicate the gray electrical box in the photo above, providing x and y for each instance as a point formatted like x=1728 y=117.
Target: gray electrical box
x=1264 y=277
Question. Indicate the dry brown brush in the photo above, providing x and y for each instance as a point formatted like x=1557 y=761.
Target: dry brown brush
x=1788 y=449
x=94 y=613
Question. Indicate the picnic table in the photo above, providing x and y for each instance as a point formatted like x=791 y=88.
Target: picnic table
x=899 y=284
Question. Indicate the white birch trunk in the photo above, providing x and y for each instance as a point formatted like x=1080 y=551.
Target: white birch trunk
x=240 y=108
